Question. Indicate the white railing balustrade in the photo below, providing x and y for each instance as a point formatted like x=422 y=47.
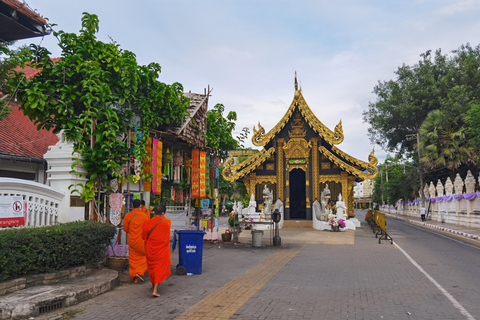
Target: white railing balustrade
x=42 y=201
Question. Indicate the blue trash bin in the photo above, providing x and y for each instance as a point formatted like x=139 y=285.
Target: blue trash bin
x=190 y=251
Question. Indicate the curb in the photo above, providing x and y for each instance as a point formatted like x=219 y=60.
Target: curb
x=444 y=229
x=37 y=300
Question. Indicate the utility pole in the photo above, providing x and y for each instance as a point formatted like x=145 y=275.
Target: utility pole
x=422 y=193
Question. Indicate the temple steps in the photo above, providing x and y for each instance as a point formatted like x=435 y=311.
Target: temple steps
x=297 y=224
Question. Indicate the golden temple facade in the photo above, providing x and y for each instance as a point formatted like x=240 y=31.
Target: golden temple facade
x=299 y=157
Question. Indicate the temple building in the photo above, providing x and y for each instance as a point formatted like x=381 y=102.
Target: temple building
x=299 y=158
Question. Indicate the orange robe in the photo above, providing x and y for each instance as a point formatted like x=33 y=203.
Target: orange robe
x=137 y=259
x=158 y=248
x=146 y=211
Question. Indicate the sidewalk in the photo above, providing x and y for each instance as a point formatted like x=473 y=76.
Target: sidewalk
x=458 y=231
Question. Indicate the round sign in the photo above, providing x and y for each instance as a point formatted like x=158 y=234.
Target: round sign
x=17 y=206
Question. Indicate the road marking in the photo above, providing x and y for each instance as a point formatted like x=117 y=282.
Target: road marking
x=445 y=292
x=442 y=235
x=229 y=298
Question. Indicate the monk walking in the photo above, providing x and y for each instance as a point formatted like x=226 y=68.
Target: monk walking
x=133 y=225
x=156 y=233
x=145 y=210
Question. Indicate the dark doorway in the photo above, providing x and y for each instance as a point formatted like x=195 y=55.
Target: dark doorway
x=298 y=195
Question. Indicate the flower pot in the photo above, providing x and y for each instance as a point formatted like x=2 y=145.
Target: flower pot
x=117 y=263
x=226 y=237
x=335 y=228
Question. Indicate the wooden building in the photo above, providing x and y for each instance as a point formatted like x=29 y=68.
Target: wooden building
x=299 y=157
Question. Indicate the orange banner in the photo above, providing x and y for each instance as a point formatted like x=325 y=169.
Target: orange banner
x=147 y=167
x=203 y=174
x=195 y=174
x=154 y=166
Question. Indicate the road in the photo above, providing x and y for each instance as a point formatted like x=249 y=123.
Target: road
x=344 y=275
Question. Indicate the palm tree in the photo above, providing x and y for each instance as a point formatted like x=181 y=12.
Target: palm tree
x=444 y=142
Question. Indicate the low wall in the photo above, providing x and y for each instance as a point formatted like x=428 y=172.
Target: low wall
x=460 y=212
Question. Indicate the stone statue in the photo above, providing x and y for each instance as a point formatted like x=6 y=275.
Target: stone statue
x=470 y=182
x=439 y=188
x=458 y=184
x=432 y=190
x=426 y=191
x=252 y=205
x=268 y=196
x=341 y=208
x=279 y=205
x=448 y=187
x=324 y=197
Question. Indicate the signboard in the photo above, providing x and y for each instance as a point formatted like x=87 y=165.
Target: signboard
x=76 y=201
x=13 y=211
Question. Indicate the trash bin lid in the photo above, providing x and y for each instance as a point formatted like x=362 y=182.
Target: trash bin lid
x=191 y=232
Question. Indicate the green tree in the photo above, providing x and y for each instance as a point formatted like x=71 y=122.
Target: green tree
x=472 y=120
x=402 y=182
x=96 y=92
x=437 y=81
x=219 y=130
x=444 y=142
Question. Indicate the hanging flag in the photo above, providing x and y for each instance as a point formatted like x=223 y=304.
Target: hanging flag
x=154 y=166
x=195 y=174
x=203 y=174
x=159 y=167
x=147 y=167
x=207 y=177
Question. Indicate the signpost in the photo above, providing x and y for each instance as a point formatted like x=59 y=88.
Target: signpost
x=13 y=211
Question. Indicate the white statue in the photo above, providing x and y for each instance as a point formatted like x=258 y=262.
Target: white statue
x=324 y=197
x=252 y=205
x=341 y=208
x=268 y=196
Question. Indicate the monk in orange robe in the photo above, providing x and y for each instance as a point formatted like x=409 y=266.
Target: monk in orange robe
x=133 y=225
x=156 y=233
x=145 y=210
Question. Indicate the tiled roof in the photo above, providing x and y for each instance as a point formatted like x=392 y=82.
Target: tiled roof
x=31 y=72
x=19 y=136
x=22 y=7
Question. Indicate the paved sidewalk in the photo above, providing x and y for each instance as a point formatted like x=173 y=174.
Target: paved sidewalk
x=458 y=231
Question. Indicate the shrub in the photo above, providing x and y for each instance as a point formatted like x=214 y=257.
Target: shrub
x=46 y=249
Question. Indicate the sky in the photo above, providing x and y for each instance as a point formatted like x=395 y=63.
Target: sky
x=248 y=51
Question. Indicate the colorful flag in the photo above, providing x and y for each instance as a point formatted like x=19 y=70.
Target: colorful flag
x=195 y=174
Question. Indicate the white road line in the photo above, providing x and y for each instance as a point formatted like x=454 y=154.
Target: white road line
x=445 y=292
x=441 y=235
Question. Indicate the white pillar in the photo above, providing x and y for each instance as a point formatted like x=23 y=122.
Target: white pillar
x=59 y=164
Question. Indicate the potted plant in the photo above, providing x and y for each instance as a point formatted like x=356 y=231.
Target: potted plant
x=227 y=236
x=336 y=224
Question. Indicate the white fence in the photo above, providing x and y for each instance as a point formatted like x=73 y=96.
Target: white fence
x=42 y=201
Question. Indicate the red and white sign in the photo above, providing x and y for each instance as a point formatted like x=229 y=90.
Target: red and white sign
x=13 y=211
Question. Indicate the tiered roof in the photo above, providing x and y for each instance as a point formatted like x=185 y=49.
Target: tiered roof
x=360 y=169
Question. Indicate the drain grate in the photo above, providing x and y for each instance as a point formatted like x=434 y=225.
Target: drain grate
x=51 y=307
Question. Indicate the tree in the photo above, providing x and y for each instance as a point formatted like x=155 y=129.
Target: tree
x=219 y=130
x=472 y=120
x=444 y=142
x=96 y=92
x=435 y=82
x=402 y=182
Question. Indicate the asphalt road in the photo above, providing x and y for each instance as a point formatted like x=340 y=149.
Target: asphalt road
x=454 y=264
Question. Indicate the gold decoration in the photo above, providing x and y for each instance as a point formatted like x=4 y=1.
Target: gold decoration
x=329 y=177
x=325 y=165
x=371 y=171
x=259 y=158
x=280 y=169
x=264 y=179
x=370 y=165
x=260 y=139
x=270 y=166
x=315 y=153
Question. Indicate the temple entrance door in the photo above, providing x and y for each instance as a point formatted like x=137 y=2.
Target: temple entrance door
x=298 y=195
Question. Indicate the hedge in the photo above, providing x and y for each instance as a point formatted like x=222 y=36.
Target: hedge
x=47 y=249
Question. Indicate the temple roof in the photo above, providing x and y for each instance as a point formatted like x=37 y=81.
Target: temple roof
x=360 y=169
x=261 y=139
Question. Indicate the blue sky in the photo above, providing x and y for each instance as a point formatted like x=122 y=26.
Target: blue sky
x=248 y=51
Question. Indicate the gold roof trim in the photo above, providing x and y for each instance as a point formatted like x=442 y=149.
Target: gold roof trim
x=231 y=175
x=371 y=165
x=260 y=139
x=371 y=172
